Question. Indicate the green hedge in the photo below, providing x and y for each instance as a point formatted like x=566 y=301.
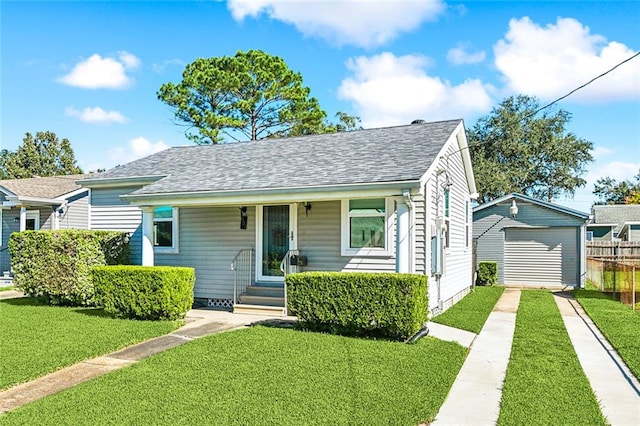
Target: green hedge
x=487 y=273
x=145 y=292
x=361 y=304
x=56 y=265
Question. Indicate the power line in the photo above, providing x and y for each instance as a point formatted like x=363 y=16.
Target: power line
x=581 y=87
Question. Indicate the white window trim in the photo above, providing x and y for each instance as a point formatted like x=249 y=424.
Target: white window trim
x=589 y=235
x=174 y=249
x=346 y=250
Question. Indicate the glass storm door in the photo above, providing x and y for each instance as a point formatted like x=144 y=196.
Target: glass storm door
x=275 y=238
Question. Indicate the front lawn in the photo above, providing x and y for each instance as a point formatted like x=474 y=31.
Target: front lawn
x=7 y=288
x=36 y=339
x=264 y=375
x=619 y=323
x=471 y=312
x=545 y=384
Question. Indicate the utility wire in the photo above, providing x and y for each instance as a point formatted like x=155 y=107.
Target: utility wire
x=581 y=87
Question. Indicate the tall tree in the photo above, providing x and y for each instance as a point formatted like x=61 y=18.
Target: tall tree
x=515 y=149
x=41 y=155
x=610 y=191
x=250 y=95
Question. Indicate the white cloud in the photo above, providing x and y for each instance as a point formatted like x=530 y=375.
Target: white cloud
x=551 y=61
x=459 y=55
x=160 y=67
x=96 y=115
x=97 y=72
x=601 y=151
x=137 y=148
x=388 y=90
x=365 y=23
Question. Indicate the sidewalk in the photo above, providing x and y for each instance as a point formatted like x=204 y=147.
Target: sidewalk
x=474 y=398
x=10 y=294
x=616 y=388
x=199 y=323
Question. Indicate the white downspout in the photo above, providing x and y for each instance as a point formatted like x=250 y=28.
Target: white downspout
x=406 y=194
x=403 y=233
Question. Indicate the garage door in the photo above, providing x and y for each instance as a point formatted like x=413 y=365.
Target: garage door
x=539 y=257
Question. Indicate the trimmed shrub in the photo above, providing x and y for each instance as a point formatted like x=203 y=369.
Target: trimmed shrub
x=487 y=273
x=359 y=304
x=144 y=292
x=56 y=265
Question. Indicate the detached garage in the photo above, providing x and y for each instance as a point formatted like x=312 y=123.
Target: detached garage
x=534 y=243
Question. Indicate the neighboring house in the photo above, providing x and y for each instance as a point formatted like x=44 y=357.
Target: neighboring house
x=535 y=243
x=55 y=202
x=614 y=221
x=373 y=200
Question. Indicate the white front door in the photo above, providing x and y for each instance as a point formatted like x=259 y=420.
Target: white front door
x=276 y=234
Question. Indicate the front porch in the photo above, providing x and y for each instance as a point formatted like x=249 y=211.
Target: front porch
x=264 y=243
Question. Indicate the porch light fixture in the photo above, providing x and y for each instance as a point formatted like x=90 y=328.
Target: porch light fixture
x=513 y=210
x=243 y=218
x=307 y=207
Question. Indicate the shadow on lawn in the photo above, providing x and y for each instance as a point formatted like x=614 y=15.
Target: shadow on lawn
x=37 y=301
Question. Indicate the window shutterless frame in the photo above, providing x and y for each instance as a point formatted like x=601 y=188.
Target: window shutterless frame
x=366 y=227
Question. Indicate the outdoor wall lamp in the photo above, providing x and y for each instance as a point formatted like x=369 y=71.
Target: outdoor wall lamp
x=307 y=207
x=243 y=218
x=513 y=210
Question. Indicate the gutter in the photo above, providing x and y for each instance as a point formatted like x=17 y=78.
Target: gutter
x=284 y=194
x=120 y=181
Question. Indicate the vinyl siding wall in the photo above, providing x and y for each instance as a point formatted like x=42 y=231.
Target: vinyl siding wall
x=76 y=215
x=209 y=239
x=110 y=213
x=457 y=278
x=489 y=228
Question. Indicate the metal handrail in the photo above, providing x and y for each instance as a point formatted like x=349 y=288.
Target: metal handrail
x=242 y=267
x=285 y=267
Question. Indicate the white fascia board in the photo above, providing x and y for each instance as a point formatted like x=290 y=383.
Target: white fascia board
x=119 y=182
x=463 y=147
x=442 y=156
x=33 y=201
x=274 y=196
x=6 y=192
x=71 y=194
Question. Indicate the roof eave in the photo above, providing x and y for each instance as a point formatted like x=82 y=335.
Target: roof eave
x=119 y=181
x=275 y=195
x=523 y=197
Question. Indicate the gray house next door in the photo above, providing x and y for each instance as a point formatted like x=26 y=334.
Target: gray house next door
x=541 y=257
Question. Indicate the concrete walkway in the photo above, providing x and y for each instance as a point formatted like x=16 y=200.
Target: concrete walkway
x=10 y=294
x=615 y=387
x=200 y=322
x=475 y=396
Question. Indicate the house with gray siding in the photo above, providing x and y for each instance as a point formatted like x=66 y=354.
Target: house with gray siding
x=534 y=243
x=244 y=214
x=613 y=222
x=55 y=202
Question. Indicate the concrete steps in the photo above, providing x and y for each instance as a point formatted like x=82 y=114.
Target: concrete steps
x=241 y=308
x=262 y=299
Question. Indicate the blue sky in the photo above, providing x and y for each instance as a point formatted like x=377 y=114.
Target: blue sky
x=89 y=71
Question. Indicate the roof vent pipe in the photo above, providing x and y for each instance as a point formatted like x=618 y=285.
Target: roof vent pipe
x=418 y=121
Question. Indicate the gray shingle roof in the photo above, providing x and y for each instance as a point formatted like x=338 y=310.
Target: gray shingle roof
x=619 y=213
x=366 y=156
x=42 y=187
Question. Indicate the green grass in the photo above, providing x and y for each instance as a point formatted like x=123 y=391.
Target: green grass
x=7 y=288
x=618 y=322
x=36 y=339
x=471 y=312
x=545 y=384
x=265 y=376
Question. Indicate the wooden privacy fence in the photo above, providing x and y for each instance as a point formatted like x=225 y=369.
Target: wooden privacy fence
x=613 y=249
x=621 y=278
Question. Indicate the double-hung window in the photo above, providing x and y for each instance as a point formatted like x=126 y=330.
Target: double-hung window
x=165 y=229
x=365 y=227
